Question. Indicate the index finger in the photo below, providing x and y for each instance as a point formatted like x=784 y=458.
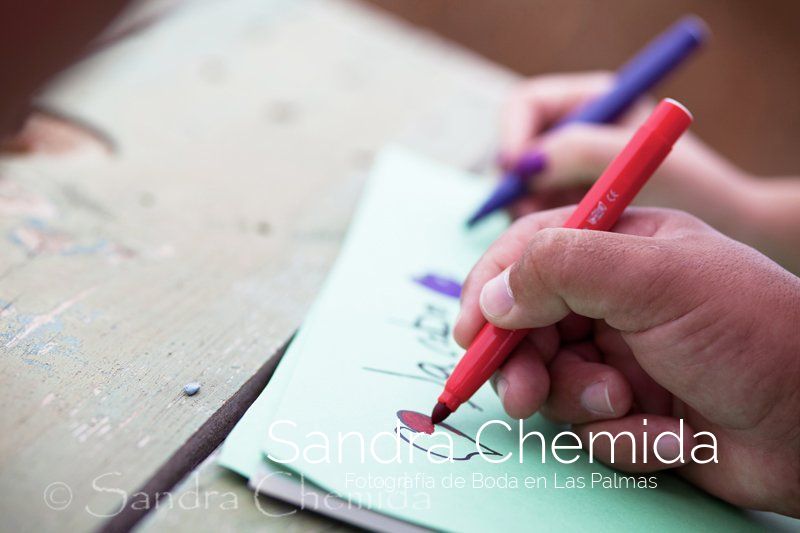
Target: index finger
x=540 y=101
x=501 y=254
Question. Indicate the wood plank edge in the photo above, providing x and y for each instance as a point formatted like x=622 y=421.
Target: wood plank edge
x=198 y=447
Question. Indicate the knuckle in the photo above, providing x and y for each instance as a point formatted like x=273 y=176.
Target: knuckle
x=579 y=141
x=689 y=220
x=531 y=223
x=550 y=241
x=542 y=261
x=681 y=222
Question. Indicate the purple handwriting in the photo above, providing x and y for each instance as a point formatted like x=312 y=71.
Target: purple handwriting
x=440 y=284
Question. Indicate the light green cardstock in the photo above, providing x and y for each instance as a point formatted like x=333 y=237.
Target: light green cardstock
x=378 y=342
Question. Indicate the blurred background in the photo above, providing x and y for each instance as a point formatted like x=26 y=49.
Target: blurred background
x=744 y=88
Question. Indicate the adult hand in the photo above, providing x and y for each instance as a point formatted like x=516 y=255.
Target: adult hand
x=665 y=319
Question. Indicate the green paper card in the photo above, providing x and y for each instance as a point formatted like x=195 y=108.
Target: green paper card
x=343 y=408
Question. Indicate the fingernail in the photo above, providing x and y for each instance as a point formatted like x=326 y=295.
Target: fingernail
x=532 y=162
x=669 y=448
x=595 y=398
x=501 y=386
x=496 y=297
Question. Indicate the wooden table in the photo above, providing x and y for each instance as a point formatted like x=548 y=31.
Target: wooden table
x=242 y=131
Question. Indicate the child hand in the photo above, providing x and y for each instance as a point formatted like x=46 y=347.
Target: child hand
x=693 y=178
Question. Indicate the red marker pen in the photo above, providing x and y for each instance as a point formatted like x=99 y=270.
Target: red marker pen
x=599 y=210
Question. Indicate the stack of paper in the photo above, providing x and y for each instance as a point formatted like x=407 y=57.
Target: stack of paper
x=369 y=362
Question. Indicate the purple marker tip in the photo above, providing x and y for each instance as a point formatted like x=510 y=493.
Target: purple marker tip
x=510 y=188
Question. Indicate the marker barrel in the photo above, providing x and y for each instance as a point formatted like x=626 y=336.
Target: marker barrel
x=599 y=209
x=648 y=67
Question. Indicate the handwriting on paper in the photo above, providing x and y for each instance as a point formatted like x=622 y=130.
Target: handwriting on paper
x=431 y=329
x=458 y=445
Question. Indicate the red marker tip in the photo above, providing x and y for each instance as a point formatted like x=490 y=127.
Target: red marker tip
x=440 y=412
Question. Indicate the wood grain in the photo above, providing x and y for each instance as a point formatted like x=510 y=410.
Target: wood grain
x=242 y=134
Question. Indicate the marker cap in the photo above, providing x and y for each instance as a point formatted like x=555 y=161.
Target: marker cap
x=670 y=118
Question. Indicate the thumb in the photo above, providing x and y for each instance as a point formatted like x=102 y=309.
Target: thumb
x=577 y=154
x=616 y=277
